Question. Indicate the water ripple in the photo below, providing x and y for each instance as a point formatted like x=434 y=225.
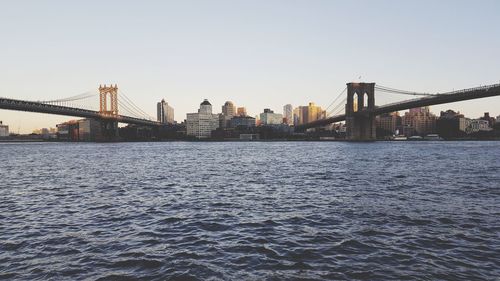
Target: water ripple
x=250 y=211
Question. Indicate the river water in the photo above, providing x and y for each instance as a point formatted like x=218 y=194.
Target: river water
x=250 y=211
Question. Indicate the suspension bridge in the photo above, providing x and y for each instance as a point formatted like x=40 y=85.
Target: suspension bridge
x=102 y=104
x=359 y=109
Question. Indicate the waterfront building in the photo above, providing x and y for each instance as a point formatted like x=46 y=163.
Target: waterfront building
x=451 y=124
x=310 y=113
x=242 y=111
x=288 y=114
x=4 y=130
x=89 y=130
x=421 y=120
x=202 y=124
x=68 y=131
x=388 y=122
x=477 y=125
x=296 y=116
x=164 y=112
x=487 y=117
x=249 y=137
x=242 y=121
x=228 y=111
x=257 y=120
x=268 y=117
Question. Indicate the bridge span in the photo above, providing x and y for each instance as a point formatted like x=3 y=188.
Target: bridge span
x=30 y=106
x=364 y=117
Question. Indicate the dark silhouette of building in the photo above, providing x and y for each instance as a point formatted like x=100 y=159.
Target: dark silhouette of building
x=451 y=124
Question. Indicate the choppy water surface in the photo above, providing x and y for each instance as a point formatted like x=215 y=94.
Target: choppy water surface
x=250 y=211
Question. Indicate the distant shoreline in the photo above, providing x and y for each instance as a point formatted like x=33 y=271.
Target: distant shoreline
x=236 y=140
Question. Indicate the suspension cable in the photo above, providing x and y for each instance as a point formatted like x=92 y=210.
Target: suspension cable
x=397 y=91
x=336 y=98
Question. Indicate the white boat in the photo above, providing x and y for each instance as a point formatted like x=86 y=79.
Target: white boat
x=399 y=138
x=433 y=137
x=415 y=138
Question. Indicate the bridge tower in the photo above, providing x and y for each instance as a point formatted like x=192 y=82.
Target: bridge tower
x=360 y=120
x=108 y=107
x=111 y=92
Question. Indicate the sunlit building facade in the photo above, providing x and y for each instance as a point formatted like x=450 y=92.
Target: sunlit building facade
x=164 y=112
x=268 y=117
x=310 y=113
x=421 y=120
x=202 y=124
x=228 y=111
x=241 y=111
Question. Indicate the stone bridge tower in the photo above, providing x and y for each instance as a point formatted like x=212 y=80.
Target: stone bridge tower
x=360 y=121
x=108 y=107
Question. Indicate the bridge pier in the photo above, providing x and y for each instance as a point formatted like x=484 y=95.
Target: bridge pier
x=360 y=120
x=109 y=130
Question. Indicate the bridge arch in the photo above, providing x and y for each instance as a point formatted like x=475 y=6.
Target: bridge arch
x=355 y=99
x=365 y=100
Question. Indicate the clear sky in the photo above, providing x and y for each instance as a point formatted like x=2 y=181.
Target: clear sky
x=258 y=54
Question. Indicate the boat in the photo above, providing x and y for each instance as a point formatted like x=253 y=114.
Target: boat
x=433 y=137
x=415 y=138
x=399 y=138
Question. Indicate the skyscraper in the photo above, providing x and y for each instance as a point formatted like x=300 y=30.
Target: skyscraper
x=310 y=113
x=228 y=111
x=288 y=114
x=164 y=112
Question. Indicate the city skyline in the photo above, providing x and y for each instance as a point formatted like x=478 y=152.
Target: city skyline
x=270 y=54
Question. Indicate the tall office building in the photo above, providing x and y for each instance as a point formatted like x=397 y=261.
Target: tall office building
x=242 y=111
x=228 y=111
x=202 y=124
x=164 y=112
x=288 y=114
x=296 y=116
x=310 y=113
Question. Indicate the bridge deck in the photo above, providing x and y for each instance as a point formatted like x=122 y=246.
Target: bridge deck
x=30 y=106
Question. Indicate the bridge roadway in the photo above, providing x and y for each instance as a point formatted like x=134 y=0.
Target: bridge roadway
x=461 y=95
x=31 y=106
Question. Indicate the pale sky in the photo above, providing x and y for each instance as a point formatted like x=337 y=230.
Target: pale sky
x=258 y=54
